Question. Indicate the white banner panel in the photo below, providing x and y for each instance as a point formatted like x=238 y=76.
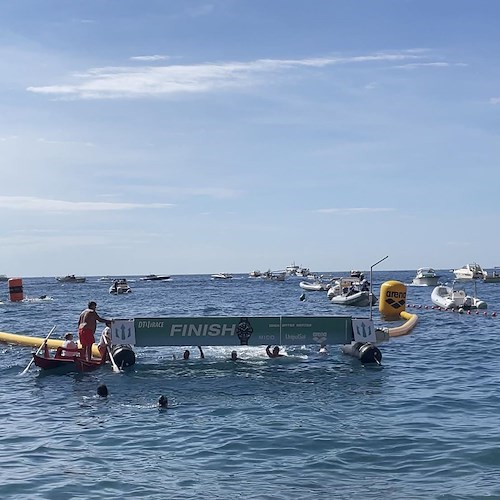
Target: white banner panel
x=123 y=331
x=363 y=330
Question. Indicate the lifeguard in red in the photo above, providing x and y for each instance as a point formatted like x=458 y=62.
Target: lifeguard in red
x=87 y=324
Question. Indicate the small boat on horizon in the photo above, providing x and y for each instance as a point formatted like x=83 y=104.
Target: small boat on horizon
x=426 y=276
x=221 y=276
x=155 y=277
x=492 y=276
x=471 y=271
x=71 y=278
x=120 y=287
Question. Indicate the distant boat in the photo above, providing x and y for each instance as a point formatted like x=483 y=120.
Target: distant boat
x=491 y=276
x=469 y=272
x=315 y=286
x=71 y=278
x=349 y=291
x=292 y=269
x=356 y=274
x=120 y=287
x=221 y=276
x=426 y=276
x=274 y=275
x=449 y=297
x=3 y=277
x=155 y=277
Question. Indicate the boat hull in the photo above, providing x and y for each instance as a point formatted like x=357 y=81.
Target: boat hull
x=69 y=364
x=447 y=297
x=359 y=299
x=431 y=281
x=314 y=287
x=53 y=363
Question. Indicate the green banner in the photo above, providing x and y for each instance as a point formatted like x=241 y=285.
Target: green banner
x=234 y=331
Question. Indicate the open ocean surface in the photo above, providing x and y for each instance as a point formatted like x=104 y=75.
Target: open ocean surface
x=425 y=425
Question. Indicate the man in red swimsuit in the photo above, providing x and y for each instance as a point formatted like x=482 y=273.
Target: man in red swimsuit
x=87 y=324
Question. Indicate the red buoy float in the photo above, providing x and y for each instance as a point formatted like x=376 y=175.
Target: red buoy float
x=16 y=293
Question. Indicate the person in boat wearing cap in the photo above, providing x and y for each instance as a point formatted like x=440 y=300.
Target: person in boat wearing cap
x=69 y=347
x=87 y=323
x=275 y=353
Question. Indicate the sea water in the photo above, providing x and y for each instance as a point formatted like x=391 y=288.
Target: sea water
x=424 y=425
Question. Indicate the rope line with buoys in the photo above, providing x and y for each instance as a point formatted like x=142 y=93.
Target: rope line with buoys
x=460 y=310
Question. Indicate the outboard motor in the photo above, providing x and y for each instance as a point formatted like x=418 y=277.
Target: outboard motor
x=123 y=355
x=365 y=352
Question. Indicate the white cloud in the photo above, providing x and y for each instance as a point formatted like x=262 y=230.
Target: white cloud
x=495 y=100
x=429 y=65
x=124 y=81
x=150 y=58
x=62 y=206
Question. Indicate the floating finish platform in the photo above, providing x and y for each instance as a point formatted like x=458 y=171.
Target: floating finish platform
x=228 y=331
x=242 y=330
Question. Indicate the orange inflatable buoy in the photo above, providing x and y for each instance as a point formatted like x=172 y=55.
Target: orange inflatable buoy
x=16 y=289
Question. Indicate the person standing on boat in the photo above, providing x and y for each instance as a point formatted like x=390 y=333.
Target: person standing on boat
x=87 y=323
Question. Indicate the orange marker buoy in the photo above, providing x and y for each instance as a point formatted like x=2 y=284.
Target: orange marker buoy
x=16 y=293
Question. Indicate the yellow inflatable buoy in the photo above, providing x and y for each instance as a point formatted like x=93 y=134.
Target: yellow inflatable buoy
x=392 y=305
x=27 y=340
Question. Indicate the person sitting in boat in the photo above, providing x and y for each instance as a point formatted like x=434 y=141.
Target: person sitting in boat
x=69 y=347
x=105 y=337
x=365 y=286
x=352 y=290
x=275 y=353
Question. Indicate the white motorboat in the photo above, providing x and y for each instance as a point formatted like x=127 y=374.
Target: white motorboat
x=71 y=278
x=292 y=269
x=315 y=286
x=426 y=276
x=303 y=272
x=356 y=274
x=354 y=298
x=469 y=272
x=120 y=287
x=255 y=274
x=449 y=297
x=155 y=277
x=350 y=292
x=274 y=275
x=492 y=276
x=221 y=276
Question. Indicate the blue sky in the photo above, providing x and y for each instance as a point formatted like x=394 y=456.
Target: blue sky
x=178 y=137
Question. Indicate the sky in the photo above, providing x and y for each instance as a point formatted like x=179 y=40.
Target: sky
x=187 y=137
